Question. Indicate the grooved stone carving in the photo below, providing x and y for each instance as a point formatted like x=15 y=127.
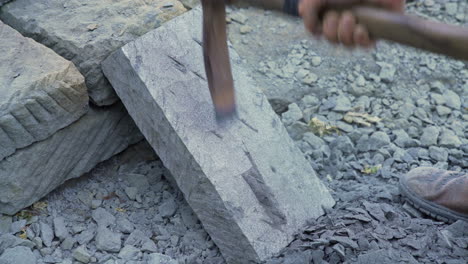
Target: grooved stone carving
x=40 y=92
x=32 y=172
x=249 y=184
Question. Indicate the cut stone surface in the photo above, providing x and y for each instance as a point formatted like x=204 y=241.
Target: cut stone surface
x=249 y=184
x=34 y=171
x=76 y=30
x=40 y=92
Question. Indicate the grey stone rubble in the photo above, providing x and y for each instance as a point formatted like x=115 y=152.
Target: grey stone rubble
x=260 y=216
x=412 y=132
x=86 y=32
x=151 y=238
x=41 y=92
x=18 y=255
x=32 y=172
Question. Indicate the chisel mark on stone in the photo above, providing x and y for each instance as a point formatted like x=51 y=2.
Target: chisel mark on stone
x=264 y=195
x=217 y=134
x=179 y=65
x=199 y=75
x=198 y=42
x=248 y=125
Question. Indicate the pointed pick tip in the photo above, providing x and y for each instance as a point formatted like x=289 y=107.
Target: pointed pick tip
x=224 y=114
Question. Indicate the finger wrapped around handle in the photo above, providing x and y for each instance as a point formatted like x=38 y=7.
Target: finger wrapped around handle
x=416 y=32
x=404 y=29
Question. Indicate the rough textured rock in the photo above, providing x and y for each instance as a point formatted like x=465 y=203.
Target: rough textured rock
x=81 y=254
x=34 y=171
x=106 y=240
x=157 y=258
x=40 y=92
x=18 y=255
x=2 y=2
x=75 y=30
x=276 y=190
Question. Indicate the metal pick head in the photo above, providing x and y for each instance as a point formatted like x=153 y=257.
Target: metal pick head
x=216 y=58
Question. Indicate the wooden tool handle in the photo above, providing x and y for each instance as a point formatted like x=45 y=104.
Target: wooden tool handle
x=415 y=32
x=412 y=31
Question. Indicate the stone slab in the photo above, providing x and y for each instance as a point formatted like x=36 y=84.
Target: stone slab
x=40 y=92
x=34 y=171
x=87 y=31
x=249 y=184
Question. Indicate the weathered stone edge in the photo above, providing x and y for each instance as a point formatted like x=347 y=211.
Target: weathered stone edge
x=69 y=153
x=38 y=117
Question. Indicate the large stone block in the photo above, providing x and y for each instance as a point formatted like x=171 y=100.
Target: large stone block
x=40 y=92
x=249 y=184
x=34 y=171
x=87 y=31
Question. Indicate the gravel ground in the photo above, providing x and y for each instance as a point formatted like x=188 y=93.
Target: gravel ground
x=362 y=119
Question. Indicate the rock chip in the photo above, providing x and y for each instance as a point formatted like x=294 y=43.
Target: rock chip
x=297 y=130
x=387 y=72
x=451 y=8
x=342 y=143
x=378 y=139
x=103 y=218
x=68 y=243
x=443 y=111
x=343 y=104
x=293 y=114
x=10 y=241
x=81 y=254
x=245 y=29
x=449 y=139
x=124 y=225
x=47 y=234
x=18 y=255
x=430 y=136
x=168 y=208
x=438 y=154
x=86 y=236
x=106 y=240
x=17 y=226
x=129 y=252
x=131 y=192
x=136 y=238
x=452 y=99
x=5 y=223
x=148 y=245
x=60 y=229
x=157 y=258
